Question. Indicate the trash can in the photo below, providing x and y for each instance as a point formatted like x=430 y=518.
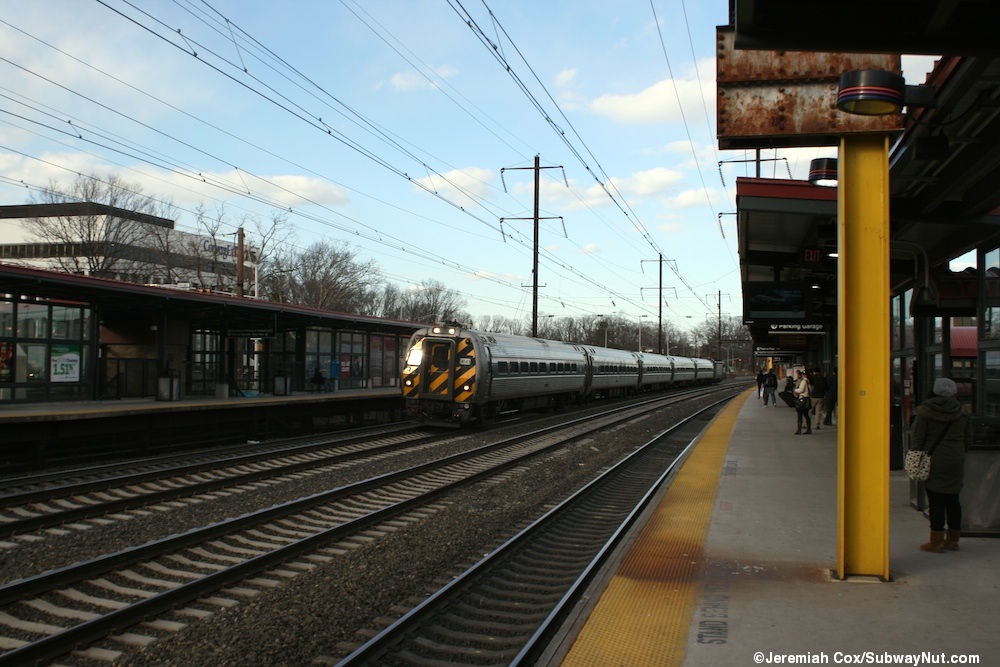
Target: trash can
x=168 y=385
x=280 y=384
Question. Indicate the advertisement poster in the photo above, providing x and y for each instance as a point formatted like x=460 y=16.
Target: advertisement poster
x=65 y=363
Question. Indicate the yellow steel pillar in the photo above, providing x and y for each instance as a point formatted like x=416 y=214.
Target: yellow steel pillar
x=864 y=353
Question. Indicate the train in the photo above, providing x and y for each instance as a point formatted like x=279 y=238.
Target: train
x=455 y=376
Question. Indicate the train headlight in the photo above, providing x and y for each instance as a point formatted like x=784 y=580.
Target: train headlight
x=409 y=383
x=466 y=387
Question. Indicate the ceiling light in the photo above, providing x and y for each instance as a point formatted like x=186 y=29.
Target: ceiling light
x=871 y=92
x=823 y=172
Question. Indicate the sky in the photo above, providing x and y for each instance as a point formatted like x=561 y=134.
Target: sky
x=408 y=129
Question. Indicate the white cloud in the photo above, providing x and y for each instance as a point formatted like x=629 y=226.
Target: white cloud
x=462 y=186
x=658 y=102
x=566 y=77
x=648 y=183
x=639 y=185
x=410 y=80
x=590 y=249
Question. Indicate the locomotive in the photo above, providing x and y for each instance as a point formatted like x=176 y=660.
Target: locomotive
x=454 y=375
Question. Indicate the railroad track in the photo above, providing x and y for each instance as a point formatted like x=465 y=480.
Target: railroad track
x=183 y=577
x=30 y=505
x=509 y=606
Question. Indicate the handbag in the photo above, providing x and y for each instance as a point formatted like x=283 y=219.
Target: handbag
x=917 y=464
x=802 y=403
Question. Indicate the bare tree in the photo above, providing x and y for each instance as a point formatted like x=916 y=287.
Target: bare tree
x=98 y=244
x=432 y=301
x=386 y=301
x=265 y=238
x=324 y=275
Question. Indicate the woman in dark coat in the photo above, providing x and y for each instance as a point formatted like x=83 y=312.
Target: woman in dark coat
x=943 y=411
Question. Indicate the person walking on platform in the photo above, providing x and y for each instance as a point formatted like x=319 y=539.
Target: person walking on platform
x=770 y=386
x=942 y=424
x=760 y=382
x=803 y=404
x=830 y=398
x=817 y=392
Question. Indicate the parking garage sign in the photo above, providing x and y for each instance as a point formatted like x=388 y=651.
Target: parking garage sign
x=65 y=365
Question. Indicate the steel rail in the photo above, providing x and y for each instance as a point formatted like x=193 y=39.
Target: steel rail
x=42 y=521
x=117 y=473
x=93 y=630
x=373 y=650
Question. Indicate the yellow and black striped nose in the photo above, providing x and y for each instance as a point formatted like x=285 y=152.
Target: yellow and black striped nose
x=465 y=371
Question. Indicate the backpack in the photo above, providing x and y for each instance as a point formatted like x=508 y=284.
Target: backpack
x=770 y=380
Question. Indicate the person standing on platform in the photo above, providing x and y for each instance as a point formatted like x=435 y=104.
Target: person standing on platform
x=818 y=394
x=770 y=386
x=802 y=408
x=760 y=382
x=943 y=420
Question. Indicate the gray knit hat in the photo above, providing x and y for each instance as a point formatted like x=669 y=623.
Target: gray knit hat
x=945 y=387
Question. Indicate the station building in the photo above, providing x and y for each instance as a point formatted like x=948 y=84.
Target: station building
x=66 y=337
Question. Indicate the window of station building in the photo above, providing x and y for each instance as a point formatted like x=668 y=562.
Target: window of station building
x=282 y=354
x=320 y=353
x=70 y=323
x=32 y=320
x=352 y=356
x=384 y=361
x=895 y=332
x=991 y=288
x=6 y=319
x=991 y=379
x=205 y=365
x=908 y=333
x=39 y=361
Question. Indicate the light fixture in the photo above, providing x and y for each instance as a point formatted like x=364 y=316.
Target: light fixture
x=823 y=172
x=871 y=92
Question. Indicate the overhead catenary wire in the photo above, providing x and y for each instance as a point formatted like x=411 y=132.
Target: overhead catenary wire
x=241 y=180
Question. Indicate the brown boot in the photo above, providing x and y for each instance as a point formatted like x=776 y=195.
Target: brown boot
x=951 y=539
x=936 y=545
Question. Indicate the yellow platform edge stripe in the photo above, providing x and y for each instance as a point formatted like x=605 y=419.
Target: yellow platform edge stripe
x=644 y=614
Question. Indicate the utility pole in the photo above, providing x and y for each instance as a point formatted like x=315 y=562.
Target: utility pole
x=534 y=270
x=660 y=326
x=239 y=261
x=660 y=262
x=719 y=333
x=718 y=336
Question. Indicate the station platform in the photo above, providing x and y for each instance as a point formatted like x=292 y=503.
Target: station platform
x=733 y=565
x=36 y=436
x=69 y=410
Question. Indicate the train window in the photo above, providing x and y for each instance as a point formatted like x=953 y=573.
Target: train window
x=553 y=367
x=440 y=355
x=560 y=366
x=534 y=366
x=524 y=366
x=501 y=367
